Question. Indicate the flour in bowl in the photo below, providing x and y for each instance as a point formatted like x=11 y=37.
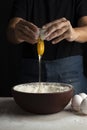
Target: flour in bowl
x=42 y=88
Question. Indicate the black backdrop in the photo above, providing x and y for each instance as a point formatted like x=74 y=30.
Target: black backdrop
x=10 y=54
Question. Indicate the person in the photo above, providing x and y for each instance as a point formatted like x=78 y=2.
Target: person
x=65 y=25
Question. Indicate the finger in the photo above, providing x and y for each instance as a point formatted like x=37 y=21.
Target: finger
x=54 y=22
x=25 y=36
x=60 y=38
x=29 y=40
x=57 y=33
x=26 y=31
x=57 y=26
x=33 y=27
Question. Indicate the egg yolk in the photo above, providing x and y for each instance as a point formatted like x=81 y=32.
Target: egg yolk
x=40 y=47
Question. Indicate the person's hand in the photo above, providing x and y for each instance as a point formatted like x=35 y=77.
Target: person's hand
x=59 y=30
x=26 y=31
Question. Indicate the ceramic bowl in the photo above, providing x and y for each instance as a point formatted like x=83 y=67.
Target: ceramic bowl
x=52 y=98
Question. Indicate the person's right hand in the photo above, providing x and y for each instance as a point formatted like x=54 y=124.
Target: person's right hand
x=26 y=31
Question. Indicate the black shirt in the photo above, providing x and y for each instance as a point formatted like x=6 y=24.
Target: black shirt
x=41 y=12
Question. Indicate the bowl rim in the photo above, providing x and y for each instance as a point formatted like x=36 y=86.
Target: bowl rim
x=45 y=93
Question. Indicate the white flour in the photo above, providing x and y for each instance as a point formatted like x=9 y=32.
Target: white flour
x=41 y=88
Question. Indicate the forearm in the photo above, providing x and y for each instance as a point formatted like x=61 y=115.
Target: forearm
x=81 y=30
x=81 y=33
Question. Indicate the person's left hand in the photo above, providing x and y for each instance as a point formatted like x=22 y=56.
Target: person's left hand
x=59 y=30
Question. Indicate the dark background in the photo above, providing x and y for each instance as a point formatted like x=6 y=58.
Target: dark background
x=10 y=54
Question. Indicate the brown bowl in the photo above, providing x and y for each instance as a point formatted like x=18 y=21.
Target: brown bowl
x=45 y=102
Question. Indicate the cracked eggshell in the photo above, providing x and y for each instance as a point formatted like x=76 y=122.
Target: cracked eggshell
x=42 y=34
x=76 y=102
x=83 y=106
x=83 y=95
